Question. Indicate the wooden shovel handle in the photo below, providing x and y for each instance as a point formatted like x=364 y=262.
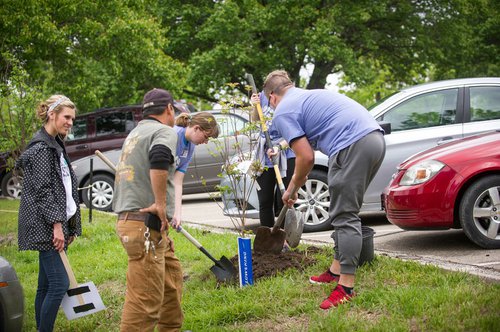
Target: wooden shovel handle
x=279 y=180
x=106 y=160
x=71 y=275
x=69 y=271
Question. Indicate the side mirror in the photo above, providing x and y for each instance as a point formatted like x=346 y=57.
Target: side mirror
x=386 y=126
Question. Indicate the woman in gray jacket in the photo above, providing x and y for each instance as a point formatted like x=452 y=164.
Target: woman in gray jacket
x=49 y=214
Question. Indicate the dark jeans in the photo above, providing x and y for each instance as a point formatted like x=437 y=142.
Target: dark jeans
x=269 y=193
x=53 y=282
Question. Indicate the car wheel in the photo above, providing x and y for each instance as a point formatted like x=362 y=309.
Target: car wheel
x=314 y=201
x=479 y=212
x=102 y=192
x=11 y=187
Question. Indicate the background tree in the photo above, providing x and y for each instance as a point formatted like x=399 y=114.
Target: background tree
x=98 y=53
x=18 y=99
x=405 y=41
x=108 y=53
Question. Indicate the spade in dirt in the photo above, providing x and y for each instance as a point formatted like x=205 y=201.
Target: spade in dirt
x=271 y=240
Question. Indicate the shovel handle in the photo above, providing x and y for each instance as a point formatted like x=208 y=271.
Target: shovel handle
x=106 y=160
x=71 y=275
x=189 y=237
x=69 y=271
x=197 y=245
x=251 y=82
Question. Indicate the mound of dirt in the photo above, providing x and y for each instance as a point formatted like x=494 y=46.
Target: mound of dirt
x=268 y=265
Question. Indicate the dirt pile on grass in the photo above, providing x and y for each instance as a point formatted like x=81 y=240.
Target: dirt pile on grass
x=268 y=265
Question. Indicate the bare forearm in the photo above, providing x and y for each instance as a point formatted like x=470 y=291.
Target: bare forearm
x=304 y=161
x=178 y=180
x=302 y=168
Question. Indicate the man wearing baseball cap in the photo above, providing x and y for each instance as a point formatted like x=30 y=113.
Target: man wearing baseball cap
x=144 y=201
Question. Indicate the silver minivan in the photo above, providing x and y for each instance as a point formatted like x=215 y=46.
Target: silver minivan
x=421 y=117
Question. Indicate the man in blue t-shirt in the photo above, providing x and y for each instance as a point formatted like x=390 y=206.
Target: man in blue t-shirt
x=343 y=130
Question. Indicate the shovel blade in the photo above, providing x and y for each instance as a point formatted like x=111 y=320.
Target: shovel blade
x=224 y=270
x=294 y=226
x=267 y=241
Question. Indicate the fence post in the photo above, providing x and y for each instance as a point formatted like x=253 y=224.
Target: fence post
x=91 y=196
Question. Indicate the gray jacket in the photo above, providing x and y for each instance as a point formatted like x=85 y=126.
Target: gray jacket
x=43 y=198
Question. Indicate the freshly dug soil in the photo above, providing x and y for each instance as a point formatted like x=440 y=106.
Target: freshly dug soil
x=268 y=265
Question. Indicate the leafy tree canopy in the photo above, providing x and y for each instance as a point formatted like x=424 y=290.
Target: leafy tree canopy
x=405 y=42
x=99 y=53
x=107 y=53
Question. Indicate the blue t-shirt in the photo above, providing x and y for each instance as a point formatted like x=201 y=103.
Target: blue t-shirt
x=271 y=129
x=185 y=150
x=329 y=120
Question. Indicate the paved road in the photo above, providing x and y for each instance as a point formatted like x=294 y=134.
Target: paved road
x=448 y=249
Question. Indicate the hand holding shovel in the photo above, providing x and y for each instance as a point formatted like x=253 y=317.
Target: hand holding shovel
x=272 y=239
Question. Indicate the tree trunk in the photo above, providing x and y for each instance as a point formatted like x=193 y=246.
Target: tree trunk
x=321 y=71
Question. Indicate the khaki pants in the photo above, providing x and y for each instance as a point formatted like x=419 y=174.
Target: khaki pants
x=154 y=285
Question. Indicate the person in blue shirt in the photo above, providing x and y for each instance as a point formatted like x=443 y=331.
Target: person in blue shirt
x=192 y=129
x=343 y=130
x=267 y=182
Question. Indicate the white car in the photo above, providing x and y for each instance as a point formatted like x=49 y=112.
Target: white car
x=421 y=117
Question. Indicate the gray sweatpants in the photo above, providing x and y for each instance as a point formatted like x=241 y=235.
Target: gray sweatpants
x=350 y=171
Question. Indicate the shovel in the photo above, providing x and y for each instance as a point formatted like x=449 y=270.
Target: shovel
x=223 y=269
x=272 y=239
x=294 y=225
x=79 y=300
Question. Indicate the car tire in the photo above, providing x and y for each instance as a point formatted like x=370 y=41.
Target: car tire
x=11 y=186
x=478 y=212
x=103 y=192
x=314 y=202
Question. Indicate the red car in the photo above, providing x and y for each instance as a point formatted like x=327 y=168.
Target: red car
x=454 y=185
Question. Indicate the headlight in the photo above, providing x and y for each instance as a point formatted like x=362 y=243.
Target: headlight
x=421 y=172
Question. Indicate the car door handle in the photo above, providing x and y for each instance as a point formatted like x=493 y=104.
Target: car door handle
x=445 y=140
x=81 y=147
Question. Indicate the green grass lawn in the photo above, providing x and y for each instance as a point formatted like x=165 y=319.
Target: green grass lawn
x=393 y=295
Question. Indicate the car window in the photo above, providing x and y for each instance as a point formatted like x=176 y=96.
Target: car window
x=229 y=124
x=113 y=123
x=426 y=110
x=79 y=129
x=484 y=103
